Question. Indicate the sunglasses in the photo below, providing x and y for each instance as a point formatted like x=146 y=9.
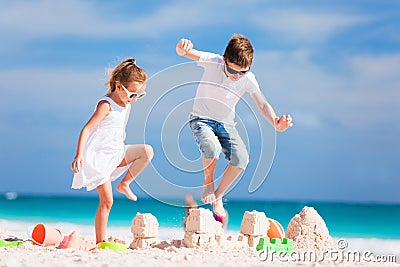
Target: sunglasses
x=232 y=71
x=133 y=95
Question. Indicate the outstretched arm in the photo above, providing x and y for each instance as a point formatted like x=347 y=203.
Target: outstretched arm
x=185 y=48
x=280 y=124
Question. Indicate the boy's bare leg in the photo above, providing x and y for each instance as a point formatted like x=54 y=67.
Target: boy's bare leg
x=209 y=165
x=230 y=174
x=105 y=204
x=139 y=156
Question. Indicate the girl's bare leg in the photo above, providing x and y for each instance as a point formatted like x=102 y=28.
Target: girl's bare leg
x=105 y=204
x=140 y=156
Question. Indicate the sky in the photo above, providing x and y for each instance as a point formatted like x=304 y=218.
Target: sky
x=332 y=65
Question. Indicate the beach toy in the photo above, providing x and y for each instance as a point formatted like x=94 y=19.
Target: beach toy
x=275 y=229
x=113 y=246
x=4 y=243
x=46 y=235
x=275 y=244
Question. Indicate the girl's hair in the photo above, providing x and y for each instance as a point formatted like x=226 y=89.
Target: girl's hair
x=125 y=72
x=239 y=51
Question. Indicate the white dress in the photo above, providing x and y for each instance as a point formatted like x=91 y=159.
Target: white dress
x=104 y=149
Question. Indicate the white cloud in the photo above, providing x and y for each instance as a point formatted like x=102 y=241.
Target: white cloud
x=360 y=96
x=22 y=22
x=64 y=89
x=377 y=71
x=46 y=18
x=307 y=26
x=308 y=120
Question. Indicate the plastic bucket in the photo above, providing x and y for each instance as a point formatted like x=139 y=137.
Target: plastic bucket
x=46 y=235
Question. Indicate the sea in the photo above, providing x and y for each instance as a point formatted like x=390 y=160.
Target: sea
x=344 y=220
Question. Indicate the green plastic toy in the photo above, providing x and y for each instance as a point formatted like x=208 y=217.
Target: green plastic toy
x=275 y=244
x=4 y=243
x=113 y=246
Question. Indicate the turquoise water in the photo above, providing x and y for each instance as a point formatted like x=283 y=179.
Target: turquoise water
x=343 y=220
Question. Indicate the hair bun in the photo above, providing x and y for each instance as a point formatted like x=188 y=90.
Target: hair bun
x=131 y=60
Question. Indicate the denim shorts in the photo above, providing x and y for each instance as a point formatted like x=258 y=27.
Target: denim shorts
x=214 y=137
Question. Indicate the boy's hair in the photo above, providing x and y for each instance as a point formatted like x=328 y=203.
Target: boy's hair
x=126 y=72
x=239 y=51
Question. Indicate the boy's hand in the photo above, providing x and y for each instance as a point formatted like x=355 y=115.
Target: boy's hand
x=283 y=123
x=183 y=47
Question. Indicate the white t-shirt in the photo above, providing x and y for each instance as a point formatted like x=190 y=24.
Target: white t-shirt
x=217 y=95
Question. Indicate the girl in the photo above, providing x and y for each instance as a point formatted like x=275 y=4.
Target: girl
x=101 y=156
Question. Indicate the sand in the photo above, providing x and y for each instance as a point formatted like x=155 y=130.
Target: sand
x=232 y=254
x=306 y=228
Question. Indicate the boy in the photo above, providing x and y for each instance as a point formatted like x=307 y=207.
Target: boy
x=225 y=79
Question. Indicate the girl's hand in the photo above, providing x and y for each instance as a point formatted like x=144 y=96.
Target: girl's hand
x=183 y=47
x=283 y=123
x=76 y=164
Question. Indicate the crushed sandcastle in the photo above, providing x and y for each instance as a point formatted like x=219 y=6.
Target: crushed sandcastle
x=254 y=226
x=202 y=229
x=144 y=230
x=309 y=232
x=77 y=241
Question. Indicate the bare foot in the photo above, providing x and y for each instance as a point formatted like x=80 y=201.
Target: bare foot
x=208 y=196
x=190 y=202
x=218 y=208
x=124 y=188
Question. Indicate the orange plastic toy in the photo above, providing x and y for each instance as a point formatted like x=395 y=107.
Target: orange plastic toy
x=46 y=235
x=275 y=229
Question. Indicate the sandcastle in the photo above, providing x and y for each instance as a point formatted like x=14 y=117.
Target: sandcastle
x=144 y=230
x=202 y=229
x=254 y=226
x=309 y=232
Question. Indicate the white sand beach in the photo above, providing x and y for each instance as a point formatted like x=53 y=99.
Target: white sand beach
x=231 y=254
x=359 y=251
